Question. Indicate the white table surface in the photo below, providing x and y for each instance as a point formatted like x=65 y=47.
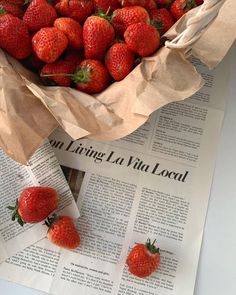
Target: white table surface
x=217 y=264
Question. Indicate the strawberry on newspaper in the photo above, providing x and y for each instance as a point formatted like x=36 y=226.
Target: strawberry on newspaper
x=14 y=41
x=180 y=7
x=62 y=232
x=163 y=17
x=34 y=204
x=49 y=44
x=73 y=31
x=126 y=16
x=142 y=38
x=76 y=9
x=98 y=34
x=119 y=61
x=39 y=14
x=143 y=260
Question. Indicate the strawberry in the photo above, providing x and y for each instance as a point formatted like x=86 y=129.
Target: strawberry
x=142 y=38
x=119 y=61
x=199 y=2
x=163 y=17
x=91 y=76
x=14 y=9
x=49 y=44
x=105 y=5
x=76 y=9
x=143 y=260
x=62 y=232
x=98 y=34
x=73 y=31
x=60 y=67
x=164 y=3
x=148 y=4
x=14 y=35
x=34 y=204
x=39 y=14
x=74 y=56
x=17 y=2
x=126 y=16
x=180 y=7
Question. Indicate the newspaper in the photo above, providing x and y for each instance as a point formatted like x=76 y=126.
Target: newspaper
x=155 y=183
x=43 y=170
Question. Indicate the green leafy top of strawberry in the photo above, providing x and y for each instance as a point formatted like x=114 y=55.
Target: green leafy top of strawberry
x=105 y=15
x=158 y=25
x=2 y=11
x=15 y=214
x=151 y=247
x=188 y=4
x=82 y=75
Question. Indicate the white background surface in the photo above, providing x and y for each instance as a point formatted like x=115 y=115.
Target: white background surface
x=217 y=264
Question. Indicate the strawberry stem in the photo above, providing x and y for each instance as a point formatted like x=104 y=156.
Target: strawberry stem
x=151 y=246
x=82 y=75
x=15 y=214
x=51 y=220
x=101 y=14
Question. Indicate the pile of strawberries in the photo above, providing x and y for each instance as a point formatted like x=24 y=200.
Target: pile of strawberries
x=86 y=44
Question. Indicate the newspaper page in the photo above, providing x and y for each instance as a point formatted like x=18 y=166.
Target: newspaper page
x=155 y=183
x=43 y=170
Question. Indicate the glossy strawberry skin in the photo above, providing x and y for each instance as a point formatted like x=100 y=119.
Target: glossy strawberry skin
x=119 y=61
x=98 y=34
x=59 y=67
x=142 y=262
x=141 y=38
x=62 y=232
x=76 y=9
x=180 y=7
x=147 y=4
x=49 y=44
x=14 y=9
x=164 y=17
x=126 y=16
x=39 y=14
x=36 y=203
x=97 y=77
x=74 y=56
x=15 y=42
x=105 y=5
x=73 y=31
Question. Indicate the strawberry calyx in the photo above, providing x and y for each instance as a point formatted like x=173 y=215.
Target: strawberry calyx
x=82 y=75
x=15 y=214
x=51 y=220
x=105 y=15
x=151 y=247
x=158 y=25
x=2 y=11
x=188 y=4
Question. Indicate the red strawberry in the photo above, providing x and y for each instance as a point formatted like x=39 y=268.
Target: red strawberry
x=91 y=77
x=163 y=17
x=142 y=38
x=39 y=14
x=73 y=31
x=60 y=67
x=148 y=4
x=62 y=232
x=105 y=5
x=35 y=204
x=126 y=16
x=199 y=2
x=49 y=44
x=76 y=9
x=119 y=61
x=143 y=260
x=14 y=9
x=76 y=57
x=98 y=34
x=14 y=35
x=180 y=7
x=164 y=3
